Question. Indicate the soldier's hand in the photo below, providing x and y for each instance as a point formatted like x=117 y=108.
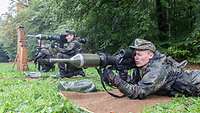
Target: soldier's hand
x=110 y=78
x=106 y=74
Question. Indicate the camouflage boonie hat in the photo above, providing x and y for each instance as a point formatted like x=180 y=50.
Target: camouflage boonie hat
x=143 y=45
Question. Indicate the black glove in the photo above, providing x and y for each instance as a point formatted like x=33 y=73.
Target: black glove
x=123 y=74
x=106 y=75
x=39 y=56
x=110 y=78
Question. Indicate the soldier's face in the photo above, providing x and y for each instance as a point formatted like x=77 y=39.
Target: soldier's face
x=142 y=57
x=69 y=37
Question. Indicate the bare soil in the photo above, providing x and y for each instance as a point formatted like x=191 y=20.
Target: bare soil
x=101 y=102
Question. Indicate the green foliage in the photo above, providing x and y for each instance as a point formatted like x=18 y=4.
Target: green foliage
x=183 y=35
x=177 y=105
x=3 y=55
x=178 y=53
x=113 y=25
x=110 y=25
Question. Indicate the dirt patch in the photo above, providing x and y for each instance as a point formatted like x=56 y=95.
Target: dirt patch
x=101 y=102
x=193 y=66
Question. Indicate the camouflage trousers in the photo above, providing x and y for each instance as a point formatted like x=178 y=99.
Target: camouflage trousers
x=188 y=83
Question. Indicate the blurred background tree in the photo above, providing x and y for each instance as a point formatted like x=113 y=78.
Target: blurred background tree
x=173 y=25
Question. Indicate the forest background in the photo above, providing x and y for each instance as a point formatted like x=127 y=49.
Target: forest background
x=173 y=25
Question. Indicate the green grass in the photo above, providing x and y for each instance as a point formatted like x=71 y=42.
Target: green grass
x=177 y=105
x=91 y=74
x=21 y=95
x=31 y=96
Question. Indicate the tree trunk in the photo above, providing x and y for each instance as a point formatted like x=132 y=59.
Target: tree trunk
x=162 y=21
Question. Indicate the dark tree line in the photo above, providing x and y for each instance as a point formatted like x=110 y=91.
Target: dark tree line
x=173 y=25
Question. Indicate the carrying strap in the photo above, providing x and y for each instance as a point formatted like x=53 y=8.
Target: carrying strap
x=103 y=84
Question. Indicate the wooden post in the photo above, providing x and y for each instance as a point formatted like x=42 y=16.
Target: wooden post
x=21 y=56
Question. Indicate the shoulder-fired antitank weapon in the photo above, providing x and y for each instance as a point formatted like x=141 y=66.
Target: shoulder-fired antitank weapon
x=60 y=39
x=121 y=61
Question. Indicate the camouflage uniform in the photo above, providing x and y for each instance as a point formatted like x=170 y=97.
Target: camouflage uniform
x=44 y=53
x=162 y=76
x=67 y=70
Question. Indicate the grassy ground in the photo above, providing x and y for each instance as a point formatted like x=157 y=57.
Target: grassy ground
x=177 y=105
x=19 y=94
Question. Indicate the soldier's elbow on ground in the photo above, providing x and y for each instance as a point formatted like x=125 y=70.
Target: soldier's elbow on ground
x=140 y=96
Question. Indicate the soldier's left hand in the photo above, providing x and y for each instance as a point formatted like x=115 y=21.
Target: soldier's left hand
x=110 y=78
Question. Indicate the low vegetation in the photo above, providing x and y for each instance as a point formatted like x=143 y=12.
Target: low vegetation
x=18 y=94
x=177 y=105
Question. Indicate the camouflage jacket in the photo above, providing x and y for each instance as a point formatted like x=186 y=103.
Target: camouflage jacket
x=160 y=77
x=72 y=48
